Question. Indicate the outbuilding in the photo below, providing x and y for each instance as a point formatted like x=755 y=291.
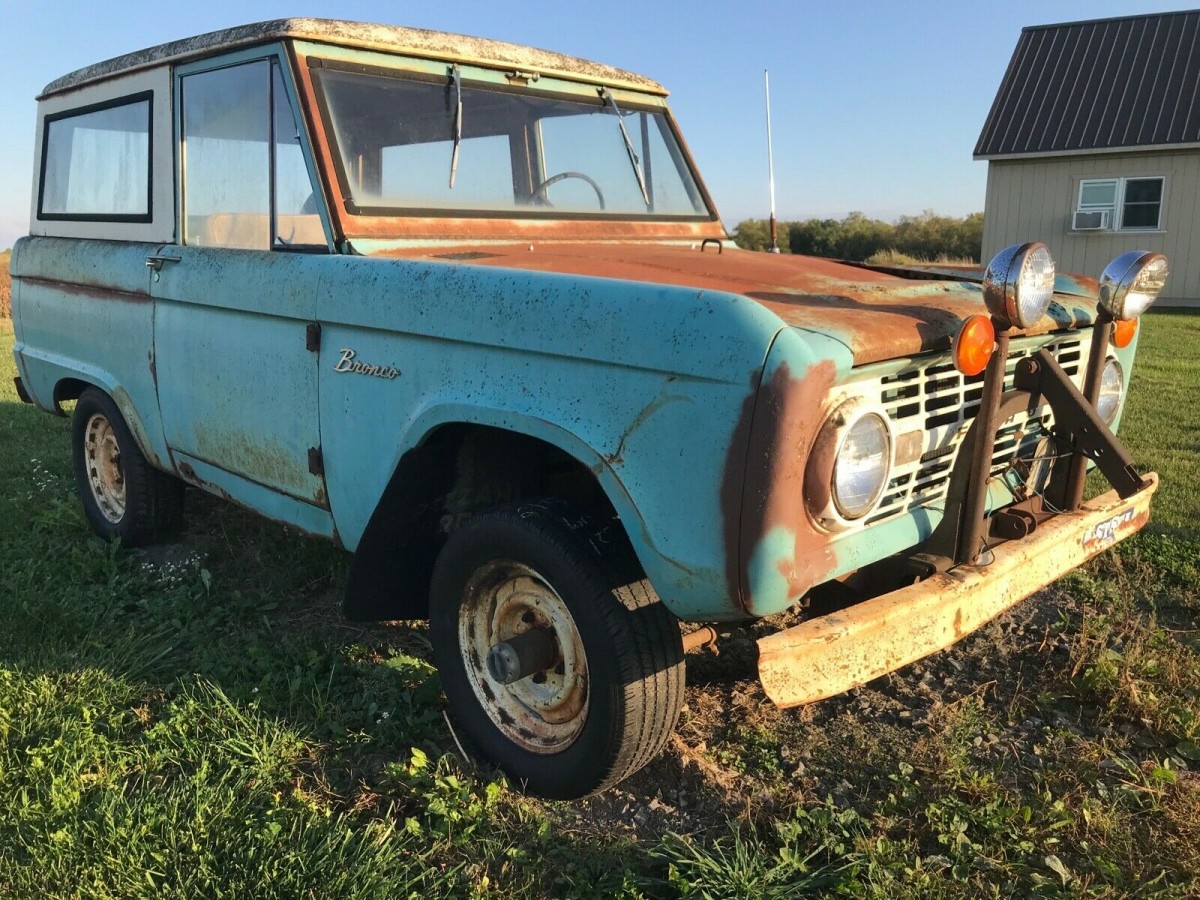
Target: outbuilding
x=1093 y=145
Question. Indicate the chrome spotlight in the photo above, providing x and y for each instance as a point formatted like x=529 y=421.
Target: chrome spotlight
x=1131 y=282
x=1018 y=284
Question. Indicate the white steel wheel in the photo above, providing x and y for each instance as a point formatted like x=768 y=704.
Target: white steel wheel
x=560 y=665
x=545 y=710
x=123 y=496
x=104 y=473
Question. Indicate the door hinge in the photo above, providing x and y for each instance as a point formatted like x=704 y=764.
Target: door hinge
x=312 y=337
x=316 y=461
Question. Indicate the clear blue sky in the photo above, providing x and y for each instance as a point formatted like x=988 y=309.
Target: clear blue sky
x=876 y=106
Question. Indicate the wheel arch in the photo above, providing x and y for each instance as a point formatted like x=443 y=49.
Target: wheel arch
x=71 y=388
x=462 y=465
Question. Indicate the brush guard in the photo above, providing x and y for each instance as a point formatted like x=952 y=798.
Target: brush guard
x=976 y=565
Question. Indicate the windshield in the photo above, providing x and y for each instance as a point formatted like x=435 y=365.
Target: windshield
x=429 y=146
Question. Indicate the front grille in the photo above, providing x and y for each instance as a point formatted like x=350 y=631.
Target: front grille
x=930 y=396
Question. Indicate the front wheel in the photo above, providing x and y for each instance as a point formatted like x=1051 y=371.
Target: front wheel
x=123 y=495
x=557 y=669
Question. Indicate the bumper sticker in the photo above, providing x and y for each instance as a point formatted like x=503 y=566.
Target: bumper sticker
x=1104 y=533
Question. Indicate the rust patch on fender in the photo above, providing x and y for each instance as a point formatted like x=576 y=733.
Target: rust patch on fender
x=874 y=331
x=763 y=484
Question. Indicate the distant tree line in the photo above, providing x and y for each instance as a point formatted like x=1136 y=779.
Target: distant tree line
x=856 y=237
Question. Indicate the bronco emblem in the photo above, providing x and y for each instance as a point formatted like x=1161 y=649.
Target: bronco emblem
x=348 y=363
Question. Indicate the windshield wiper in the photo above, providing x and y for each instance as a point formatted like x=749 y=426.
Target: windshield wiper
x=633 y=158
x=456 y=75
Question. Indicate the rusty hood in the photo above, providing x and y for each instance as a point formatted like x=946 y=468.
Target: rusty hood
x=878 y=312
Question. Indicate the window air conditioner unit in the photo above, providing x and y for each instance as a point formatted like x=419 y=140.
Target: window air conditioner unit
x=1096 y=220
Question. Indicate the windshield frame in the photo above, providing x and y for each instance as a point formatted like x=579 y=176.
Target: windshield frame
x=454 y=223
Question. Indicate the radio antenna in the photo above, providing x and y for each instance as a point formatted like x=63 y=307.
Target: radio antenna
x=770 y=165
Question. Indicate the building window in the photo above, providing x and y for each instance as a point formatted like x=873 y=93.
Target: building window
x=1142 y=205
x=1119 y=204
x=1098 y=195
x=96 y=163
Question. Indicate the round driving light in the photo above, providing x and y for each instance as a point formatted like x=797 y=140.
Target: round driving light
x=1018 y=284
x=860 y=471
x=1131 y=282
x=973 y=345
x=1123 y=333
x=1112 y=388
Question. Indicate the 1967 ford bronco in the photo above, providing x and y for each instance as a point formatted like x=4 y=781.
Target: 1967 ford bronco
x=466 y=309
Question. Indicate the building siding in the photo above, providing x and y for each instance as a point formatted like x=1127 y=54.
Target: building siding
x=1034 y=199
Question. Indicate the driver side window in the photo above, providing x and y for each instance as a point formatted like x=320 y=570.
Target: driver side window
x=238 y=127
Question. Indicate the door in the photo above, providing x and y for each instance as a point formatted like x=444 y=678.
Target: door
x=236 y=356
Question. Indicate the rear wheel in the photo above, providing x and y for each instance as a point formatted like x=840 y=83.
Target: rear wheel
x=123 y=496
x=557 y=667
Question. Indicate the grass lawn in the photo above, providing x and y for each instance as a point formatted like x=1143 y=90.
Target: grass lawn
x=197 y=721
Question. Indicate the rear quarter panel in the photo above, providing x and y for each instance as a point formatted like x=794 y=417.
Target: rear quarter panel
x=82 y=311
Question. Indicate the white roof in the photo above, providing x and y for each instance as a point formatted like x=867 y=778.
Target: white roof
x=389 y=38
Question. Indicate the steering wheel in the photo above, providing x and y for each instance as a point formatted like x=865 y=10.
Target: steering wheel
x=540 y=190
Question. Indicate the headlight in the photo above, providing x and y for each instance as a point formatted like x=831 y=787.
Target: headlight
x=1112 y=389
x=849 y=465
x=1018 y=284
x=1131 y=282
x=860 y=470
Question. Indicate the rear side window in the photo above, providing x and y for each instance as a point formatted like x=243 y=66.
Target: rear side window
x=96 y=162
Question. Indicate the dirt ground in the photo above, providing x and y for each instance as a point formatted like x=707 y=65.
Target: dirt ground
x=736 y=754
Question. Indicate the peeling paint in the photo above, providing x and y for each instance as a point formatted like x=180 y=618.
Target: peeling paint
x=189 y=475
x=771 y=568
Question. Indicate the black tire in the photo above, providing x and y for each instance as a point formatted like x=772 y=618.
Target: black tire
x=112 y=467
x=634 y=672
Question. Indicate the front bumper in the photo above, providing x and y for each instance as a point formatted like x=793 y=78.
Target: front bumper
x=833 y=653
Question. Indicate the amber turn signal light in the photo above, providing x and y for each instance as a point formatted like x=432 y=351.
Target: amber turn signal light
x=973 y=345
x=1123 y=332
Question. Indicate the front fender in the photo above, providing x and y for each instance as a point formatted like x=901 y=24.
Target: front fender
x=422 y=464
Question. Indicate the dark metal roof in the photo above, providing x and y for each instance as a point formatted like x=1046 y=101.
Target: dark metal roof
x=1124 y=83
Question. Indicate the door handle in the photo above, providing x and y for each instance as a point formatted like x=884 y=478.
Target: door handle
x=156 y=262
